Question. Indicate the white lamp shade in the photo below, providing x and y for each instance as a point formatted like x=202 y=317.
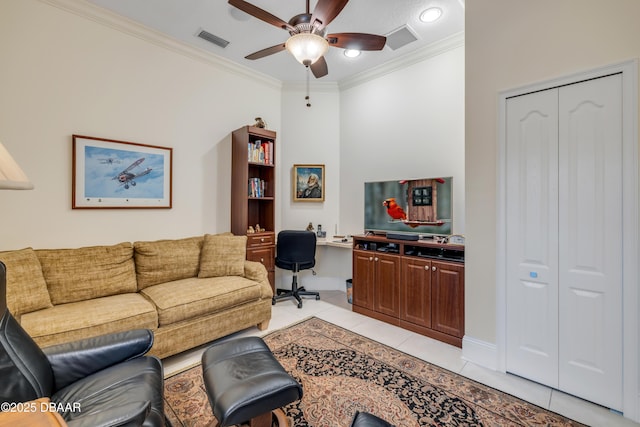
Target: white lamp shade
x=307 y=48
x=11 y=176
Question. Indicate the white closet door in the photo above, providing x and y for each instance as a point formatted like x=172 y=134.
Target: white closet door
x=590 y=251
x=532 y=235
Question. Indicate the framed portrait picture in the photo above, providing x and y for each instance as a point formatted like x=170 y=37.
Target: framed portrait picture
x=119 y=174
x=308 y=183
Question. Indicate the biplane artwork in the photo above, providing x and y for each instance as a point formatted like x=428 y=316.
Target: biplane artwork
x=127 y=177
x=119 y=174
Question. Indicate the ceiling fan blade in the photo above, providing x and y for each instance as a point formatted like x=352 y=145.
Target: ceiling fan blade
x=261 y=14
x=326 y=11
x=266 y=52
x=359 y=41
x=319 y=68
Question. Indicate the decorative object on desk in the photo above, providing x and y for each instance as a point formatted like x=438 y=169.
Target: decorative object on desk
x=251 y=230
x=260 y=123
x=310 y=227
x=308 y=183
x=321 y=234
x=457 y=239
x=118 y=174
x=259 y=229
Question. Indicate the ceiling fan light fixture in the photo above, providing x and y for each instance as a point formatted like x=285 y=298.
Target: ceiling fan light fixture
x=307 y=48
x=352 y=53
x=431 y=15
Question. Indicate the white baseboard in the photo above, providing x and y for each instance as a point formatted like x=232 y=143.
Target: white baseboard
x=480 y=352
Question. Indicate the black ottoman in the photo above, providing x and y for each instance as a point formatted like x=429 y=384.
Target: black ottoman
x=245 y=382
x=365 y=419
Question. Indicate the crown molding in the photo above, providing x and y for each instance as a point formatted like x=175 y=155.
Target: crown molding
x=117 y=22
x=109 y=19
x=452 y=42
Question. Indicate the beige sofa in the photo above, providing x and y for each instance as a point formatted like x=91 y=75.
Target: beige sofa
x=188 y=291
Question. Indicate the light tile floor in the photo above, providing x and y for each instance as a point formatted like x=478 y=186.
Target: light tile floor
x=333 y=307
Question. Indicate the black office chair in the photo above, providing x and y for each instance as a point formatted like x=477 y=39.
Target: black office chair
x=295 y=251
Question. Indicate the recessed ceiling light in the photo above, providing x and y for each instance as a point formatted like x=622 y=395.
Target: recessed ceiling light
x=351 y=53
x=431 y=15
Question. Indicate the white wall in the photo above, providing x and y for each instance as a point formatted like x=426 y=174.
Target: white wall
x=403 y=125
x=408 y=123
x=64 y=74
x=312 y=136
x=511 y=44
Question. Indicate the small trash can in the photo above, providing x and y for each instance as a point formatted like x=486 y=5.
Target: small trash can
x=350 y=291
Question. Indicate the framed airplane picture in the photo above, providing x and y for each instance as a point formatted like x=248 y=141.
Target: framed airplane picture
x=118 y=174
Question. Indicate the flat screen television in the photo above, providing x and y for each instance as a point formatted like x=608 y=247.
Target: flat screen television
x=416 y=206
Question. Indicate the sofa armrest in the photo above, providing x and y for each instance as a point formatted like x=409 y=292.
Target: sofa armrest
x=78 y=359
x=257 y=272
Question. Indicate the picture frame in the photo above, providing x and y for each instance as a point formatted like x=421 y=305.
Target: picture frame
x=308 y=183
x=111 y=174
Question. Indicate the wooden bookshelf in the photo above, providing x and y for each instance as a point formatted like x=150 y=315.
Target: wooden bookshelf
x=253 y=198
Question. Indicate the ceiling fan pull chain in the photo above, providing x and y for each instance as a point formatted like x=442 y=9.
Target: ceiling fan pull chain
x=307 y=97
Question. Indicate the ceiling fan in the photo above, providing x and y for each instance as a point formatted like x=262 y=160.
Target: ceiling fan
x=308 y=42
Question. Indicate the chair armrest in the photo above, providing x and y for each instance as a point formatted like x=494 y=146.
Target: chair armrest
x=78 y=359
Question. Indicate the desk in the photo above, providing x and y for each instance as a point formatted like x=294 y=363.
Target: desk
x=334 y=242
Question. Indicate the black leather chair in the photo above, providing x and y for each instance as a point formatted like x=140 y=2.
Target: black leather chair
x=295 y=251
x=102 y=381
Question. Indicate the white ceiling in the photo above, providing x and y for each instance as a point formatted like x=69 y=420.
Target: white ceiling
x=184 y=19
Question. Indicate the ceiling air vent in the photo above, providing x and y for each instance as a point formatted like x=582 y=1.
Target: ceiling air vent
x=400 y=37
x=211 y=38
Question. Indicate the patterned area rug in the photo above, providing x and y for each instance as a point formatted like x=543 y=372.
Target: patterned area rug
x=342 y=372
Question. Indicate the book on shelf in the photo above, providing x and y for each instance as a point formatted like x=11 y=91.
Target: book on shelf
x=257 y=187
x=259 y=151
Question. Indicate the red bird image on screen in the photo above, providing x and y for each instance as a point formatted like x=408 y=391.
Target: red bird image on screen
x=394 y=210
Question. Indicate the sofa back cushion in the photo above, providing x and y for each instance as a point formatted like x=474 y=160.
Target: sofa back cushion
x=223 y=255
x=166 y=260
x=26 y=288
x=86 y=273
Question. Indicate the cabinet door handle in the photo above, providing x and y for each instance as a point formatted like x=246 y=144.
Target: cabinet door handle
x=376 y=259
x=262 y=239
x=426 y=267
x=433 y=268
x=262 y=260
x=370 y=258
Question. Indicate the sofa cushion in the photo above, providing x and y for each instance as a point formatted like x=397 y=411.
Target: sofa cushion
x=166 y=260
x=26 y=288
x=87 y=273
x=223 y=255
x=205 y=296
x=76 y=320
